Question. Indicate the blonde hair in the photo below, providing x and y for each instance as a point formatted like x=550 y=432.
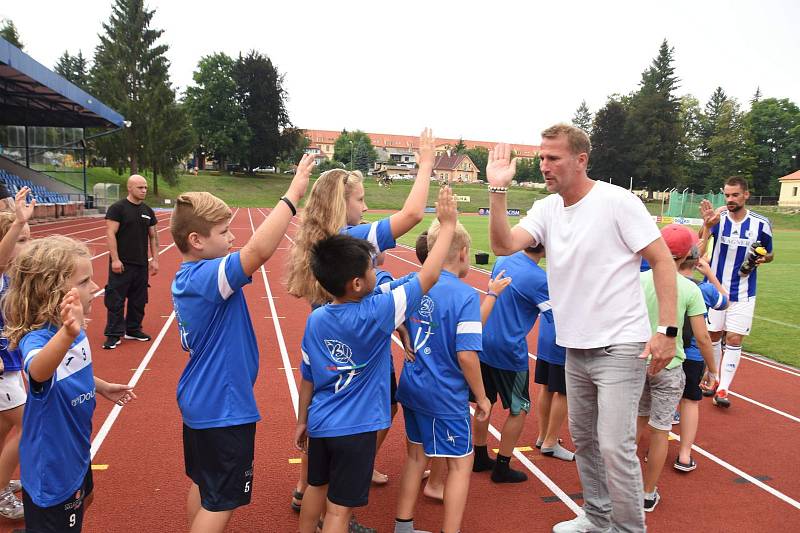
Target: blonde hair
x=196 y=212
x=461 y=239
x=324 y=214
x=38 y=282
x=577 y=139
x=6 y=219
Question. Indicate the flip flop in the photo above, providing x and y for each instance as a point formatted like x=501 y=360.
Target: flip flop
x=298 y=496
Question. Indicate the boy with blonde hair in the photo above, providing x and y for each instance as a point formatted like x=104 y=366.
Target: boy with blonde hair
x=434 y=389
x=215 y=391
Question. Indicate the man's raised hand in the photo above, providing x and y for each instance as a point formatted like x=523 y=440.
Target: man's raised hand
x=500 y=168
x=426 y=147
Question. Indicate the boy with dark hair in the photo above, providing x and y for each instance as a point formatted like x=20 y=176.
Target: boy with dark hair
x=344 y=396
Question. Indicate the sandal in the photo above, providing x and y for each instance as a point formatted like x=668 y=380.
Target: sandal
x=684 y=467
x=297 y=501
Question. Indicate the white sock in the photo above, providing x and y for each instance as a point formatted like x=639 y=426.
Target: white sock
x=731 y=362
x=716 y=347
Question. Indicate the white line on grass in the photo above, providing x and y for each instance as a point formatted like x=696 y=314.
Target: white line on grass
x=786 y=324
x=278 y=332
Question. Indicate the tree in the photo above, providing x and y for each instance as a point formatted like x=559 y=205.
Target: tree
x=8 y=31
x=74 y=69
x=757 y=96
x=460 y=148
x=361 y=154
x=328 y=164
x=528 y=170
x=583 y=118
x=344 y=147
x=216 y=116
x=773 y=128
x=653 y=124
x=479 y=156
x=608 y=159
x=725 y=149
x=261 y=97
x=690 y=151
x=293 y=145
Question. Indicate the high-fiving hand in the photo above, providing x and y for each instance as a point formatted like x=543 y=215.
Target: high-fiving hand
x=500 y=168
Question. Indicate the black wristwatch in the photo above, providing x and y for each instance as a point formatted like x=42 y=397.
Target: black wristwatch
x=669 y=331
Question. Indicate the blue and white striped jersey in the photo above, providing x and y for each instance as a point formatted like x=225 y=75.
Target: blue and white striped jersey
x=732 y=241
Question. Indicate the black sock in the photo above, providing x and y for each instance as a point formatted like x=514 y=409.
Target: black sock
x=403 y=521
x=481 y=452
x=503 y=460
x=482 y=460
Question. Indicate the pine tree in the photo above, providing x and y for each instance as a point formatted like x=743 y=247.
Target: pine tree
x=583 y=118
x=74 y=69
x=608 y=159
x=8 y=31
x=460 y=148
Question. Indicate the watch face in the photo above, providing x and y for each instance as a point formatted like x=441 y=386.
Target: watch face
x=672 y=331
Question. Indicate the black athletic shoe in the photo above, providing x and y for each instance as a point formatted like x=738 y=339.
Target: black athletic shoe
x=138 y=336
x=708 y=393
x=506 y=474
x=650 y=505
x=112 y=341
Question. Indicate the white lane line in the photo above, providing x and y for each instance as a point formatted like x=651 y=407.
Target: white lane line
x=112 y=416
x=772 y=366
x=96 y=228
x=741 y=473
x=278 y=333
x=767 y=407
x=106 y=252
x=101 y=291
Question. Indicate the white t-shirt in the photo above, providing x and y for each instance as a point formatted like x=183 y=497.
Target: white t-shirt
x=593 y=264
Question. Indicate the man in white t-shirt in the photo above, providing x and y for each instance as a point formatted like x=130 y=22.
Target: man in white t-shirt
x=595 y=235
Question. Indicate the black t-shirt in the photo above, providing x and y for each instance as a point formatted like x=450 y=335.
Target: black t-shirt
x=4 y=191
x=134 y=222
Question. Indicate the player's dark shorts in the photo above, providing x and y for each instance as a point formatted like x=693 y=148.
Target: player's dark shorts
x=344 y=464
x=694 y=371
x=220 y=462
x=551 y=375
x=66 y=516
x=393 y=387
x=511 y=386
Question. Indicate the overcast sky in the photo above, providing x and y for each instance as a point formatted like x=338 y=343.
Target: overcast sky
x=492 y=70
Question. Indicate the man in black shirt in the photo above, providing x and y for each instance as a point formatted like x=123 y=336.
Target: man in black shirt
x=6 y=199
x=130 y=226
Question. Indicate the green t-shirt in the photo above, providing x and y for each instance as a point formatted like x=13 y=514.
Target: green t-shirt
x=690 y=303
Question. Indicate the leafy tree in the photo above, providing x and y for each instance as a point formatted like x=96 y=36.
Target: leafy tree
x=217 y=119
x=773 y=128
x=608 y=159
x=583 y=118
x=460 y=148
x=653 y=124
x=344 y=148
x=479 y=156
x=361 y=154
x=74 y=69
x=261 y=97
x=293 y=145
x=328 y=164
x=528 y=170
x=8 y=31
x=690 y=148
x=726 y=150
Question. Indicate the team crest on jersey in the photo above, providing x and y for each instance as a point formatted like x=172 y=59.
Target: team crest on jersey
x=339 y=351
x=426 y=307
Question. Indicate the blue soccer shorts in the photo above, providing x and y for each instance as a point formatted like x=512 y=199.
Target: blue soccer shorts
x=439 y=437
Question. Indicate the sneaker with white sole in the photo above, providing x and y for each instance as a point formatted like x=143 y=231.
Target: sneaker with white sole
x=138 y=336
x=112 y=341
x=650 y=504
x=579 y=524
x=10 y=506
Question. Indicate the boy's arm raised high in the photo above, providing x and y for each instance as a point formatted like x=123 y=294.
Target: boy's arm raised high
x=448 y=216
x=414 y=207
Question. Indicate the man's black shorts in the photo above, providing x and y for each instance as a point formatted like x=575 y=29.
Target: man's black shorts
x=510 y=385
x=554 y=376
x=220 y=462
x=66 y=516
x=344 y=464
x=694 y=371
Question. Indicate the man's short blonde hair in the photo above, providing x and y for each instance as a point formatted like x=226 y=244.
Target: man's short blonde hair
x=577 y=139
x=196 y=212
x=461 y=239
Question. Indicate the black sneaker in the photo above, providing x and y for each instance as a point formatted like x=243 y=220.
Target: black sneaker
x=355 y=527
x=506 y=474
x=650 y=505
x=112 y=341
x=138 y=336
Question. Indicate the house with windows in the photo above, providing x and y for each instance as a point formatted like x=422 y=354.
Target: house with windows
x=451 y=167
x=790 y=190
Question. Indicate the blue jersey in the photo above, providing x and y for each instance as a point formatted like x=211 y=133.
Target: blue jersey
x=216 y=387
x=382 y=277
x=12 y=359
x=346 y=356
x=379 y=234
x=515 y=312
x=546 y=347
x=448 y=321
x=713 y=300
x=57 y=424
x=732 y=242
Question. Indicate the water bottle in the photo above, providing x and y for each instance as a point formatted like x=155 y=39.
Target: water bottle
x=753 y=253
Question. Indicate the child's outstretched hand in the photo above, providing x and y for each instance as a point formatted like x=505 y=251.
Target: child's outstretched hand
x=500 y=168
x=23 y=209
x=426 y=147
x=499 y=284
x=446 y=210
x=72 y=313
x=301 y=175
x=482 y=409
x=116 y=392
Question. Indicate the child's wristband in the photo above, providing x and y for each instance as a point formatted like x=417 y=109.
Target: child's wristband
x=290 y=204
x=491 y=293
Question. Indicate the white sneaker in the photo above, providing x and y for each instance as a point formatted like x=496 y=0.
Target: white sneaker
x=579 y=524
x=14 y=485
x=10 y=506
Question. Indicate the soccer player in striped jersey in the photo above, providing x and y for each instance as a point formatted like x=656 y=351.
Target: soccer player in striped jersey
x=734 y=230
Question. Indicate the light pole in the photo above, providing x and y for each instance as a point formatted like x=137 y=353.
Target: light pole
x=352 y=150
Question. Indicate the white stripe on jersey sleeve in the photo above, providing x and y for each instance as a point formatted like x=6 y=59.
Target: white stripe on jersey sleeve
x=385 y=287
x=720 y=299
x=31 y=354
x=469 y=327
x=306 y=360
x=372 y=237
x=544 y=306
x=400 y=305
x=222 y=280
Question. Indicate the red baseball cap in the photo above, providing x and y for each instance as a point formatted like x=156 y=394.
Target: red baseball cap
x=679 y=239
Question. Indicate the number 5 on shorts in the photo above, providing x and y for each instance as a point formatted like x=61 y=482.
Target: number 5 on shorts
x=247 y=487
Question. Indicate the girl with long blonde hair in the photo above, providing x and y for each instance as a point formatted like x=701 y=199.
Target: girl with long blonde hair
x=50 y=292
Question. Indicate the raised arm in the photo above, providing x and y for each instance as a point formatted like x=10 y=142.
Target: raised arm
x=496 y=286
x=660 y=346
x=268 y=235
x=500 y=170
x=23 y=211
x=447 y=215
x=46 y=362
x=414 y=207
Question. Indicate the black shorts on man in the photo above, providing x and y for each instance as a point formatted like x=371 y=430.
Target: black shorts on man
x=510 y=385
x=66 y=516
x=552 y=375
x=220 y=462
x=344 y=464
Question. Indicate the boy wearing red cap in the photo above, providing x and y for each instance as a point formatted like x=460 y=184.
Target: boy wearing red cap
x=662 y=391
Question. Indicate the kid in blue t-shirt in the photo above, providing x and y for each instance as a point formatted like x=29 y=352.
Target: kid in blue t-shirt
x=215 y=390
x=344 y=396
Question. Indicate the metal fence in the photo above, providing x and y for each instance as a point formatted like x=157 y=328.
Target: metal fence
x=687 y=203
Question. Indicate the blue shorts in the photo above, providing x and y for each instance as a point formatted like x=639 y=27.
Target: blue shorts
x=439 y=437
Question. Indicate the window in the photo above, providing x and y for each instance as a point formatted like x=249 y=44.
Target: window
x=795 y=191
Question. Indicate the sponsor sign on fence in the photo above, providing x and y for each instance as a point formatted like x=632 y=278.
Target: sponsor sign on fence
x=684 y=221
x=462 y=198
x=484 y=211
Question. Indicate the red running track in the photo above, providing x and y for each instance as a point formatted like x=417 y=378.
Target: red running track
x=747 y=479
